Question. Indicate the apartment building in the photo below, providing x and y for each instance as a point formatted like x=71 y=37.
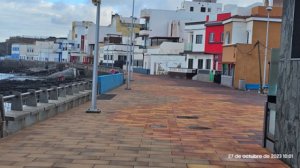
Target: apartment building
x=116 y=51
x=240 y=51
x=171 y=23
x=120 y=26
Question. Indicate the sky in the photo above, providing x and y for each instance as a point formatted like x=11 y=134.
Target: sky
x=42 y=18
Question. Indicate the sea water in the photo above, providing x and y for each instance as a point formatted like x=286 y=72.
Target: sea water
x=6 y=76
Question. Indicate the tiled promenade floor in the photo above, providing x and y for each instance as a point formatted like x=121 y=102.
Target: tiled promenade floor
x=140 y=128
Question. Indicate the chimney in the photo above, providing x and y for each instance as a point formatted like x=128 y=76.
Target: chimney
x=207 y=18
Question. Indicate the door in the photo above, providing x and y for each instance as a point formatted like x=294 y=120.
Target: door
x=190 y=65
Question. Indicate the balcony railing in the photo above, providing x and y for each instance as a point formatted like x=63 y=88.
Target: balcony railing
x=183 y=70
x=188 y=47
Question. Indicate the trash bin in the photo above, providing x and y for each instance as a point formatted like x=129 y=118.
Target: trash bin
x=242 y=84
x=217 y=77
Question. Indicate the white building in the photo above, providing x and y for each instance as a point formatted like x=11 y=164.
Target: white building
x=170 y=23
x=83 y=33
x=195 y=46
x=58 y=51
x=64 y=49
x=24 y=51
x=159 y=59
x=111 y=53
x=240 y=11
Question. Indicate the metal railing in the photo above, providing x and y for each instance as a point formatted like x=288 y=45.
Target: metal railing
x=33 y=97
x=183 y=70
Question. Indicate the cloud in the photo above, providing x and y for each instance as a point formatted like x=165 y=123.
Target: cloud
x=44 y=18
x=54 y=17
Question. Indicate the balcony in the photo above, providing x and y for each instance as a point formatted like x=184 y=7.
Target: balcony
x=231 y=52
x=145 y=13
x=144 y=33
x=188 y=47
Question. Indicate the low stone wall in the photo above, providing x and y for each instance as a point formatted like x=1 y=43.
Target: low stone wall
x=202 y=77
x=35 y=106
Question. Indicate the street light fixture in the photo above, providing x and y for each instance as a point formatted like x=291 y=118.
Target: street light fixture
x=269 y=9
x=93 y=108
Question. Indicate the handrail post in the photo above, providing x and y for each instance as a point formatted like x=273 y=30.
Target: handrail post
x=81 y=86
x=76 y=90
x=53 y=95
x=44 y=96
x=62 y=92
x=70 y=90
x=17 y=102
x=31 y=100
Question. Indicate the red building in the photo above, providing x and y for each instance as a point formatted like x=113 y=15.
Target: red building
x=214 y=39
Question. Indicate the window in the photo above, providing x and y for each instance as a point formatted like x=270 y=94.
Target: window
x=203 y=9
x=190 y=64
x=212 y=37
x=75 y=35
x=208 y=9
x=200 y=63
x=248 y=37
x=192 y=9
x=208 y=63
x=227 y=38
x=105 y=57
x=199 y=39
x=222 y=37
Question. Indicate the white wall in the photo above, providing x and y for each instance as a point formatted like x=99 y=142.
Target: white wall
x=197 y=29
x=240 y=11
x=104 y=30
x=196 y=57
x=160 y=64
x=215 y=7
x=116 y=50
x=166 y=48
x=160 y=19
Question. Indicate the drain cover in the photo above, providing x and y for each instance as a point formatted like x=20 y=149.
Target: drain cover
x=196 y=127
x=188 y=117
x=106 y=96
x=158 y=126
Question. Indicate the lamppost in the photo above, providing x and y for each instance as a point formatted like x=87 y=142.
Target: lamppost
x=132 y=47
x=129 y=59
x=269 y=9
x=93 y=108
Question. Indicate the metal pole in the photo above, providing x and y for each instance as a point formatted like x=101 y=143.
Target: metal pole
x=133 y=50
x=259 y=62
x=93 y=108
x=128 y=66
x=131 y=39
x=266 y=50
x=130 y=53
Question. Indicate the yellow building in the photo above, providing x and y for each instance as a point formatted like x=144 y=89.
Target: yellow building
x=245 y=41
